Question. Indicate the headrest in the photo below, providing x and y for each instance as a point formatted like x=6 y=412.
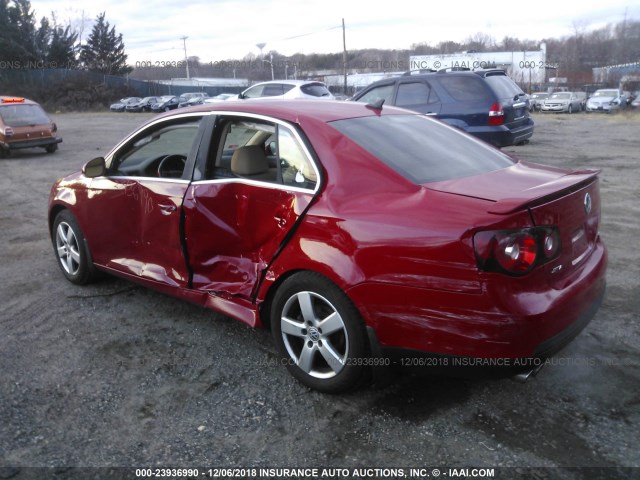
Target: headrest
x=249 y=160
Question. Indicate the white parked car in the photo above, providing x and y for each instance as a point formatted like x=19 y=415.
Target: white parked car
x=288 y=89
x=605 y=100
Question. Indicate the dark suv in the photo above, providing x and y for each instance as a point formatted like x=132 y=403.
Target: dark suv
x=484 y=103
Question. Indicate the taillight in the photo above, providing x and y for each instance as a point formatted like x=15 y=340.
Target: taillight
x=8 y=131
x=496 y=115
x=516 y=252
x=54 y=128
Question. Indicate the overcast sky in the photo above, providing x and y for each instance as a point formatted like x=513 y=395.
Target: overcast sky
x=230 y=29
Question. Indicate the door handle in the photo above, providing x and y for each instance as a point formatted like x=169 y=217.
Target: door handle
x=281 y=218
x=167 y=209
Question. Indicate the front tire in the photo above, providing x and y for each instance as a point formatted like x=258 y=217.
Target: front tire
x=51 y=148
x=71 y=250
x=319 y=333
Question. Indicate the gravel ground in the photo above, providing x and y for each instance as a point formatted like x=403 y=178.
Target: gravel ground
x=115 y=375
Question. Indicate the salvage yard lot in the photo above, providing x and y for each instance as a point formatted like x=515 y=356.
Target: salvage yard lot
x=117 y=375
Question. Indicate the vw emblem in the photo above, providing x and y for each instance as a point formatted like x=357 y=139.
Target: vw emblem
x=314 y=335
x=587 y=203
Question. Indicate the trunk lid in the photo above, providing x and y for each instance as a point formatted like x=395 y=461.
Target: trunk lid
x=568 y=200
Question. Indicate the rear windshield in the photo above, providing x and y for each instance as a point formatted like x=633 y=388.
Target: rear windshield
x=421 y=149
x=503 y=86
x=316 y=90
x=23 y=115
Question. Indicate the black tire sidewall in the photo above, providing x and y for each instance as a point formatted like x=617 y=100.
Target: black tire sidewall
x=354 y=371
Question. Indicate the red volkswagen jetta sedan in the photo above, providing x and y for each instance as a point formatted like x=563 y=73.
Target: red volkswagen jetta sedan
x=350 y=230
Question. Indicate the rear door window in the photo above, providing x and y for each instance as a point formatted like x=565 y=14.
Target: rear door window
x=414 y=94
x=464 y=89
x=273 y=90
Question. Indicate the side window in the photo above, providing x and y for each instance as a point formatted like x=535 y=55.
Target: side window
x=261 y=151
x=378 y=93
x=242 y=151
x=464 y=88
x=254 y=92
x=297 y=169
x=414 y=94
x=159 y=151
x=272 y=90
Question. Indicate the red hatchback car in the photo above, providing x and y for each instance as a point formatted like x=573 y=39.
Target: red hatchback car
x=352 y=231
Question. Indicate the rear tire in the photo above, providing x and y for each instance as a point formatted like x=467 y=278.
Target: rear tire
x=51 y=148
x=319 y=333
x=71 y=249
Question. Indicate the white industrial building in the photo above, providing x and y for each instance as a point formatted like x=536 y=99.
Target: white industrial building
x=523 y=67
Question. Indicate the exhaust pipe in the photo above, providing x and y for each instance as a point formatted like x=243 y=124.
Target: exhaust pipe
x=522 y=377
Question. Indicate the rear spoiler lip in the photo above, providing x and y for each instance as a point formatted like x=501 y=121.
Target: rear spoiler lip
x=569 y=183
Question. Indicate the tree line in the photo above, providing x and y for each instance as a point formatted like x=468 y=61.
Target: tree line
x=27 y=43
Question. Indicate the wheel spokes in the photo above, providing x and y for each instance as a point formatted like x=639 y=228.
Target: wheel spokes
x=333 y=358
x=292 y=327
x=67 y=248
x=331 y=324
x=306 y=307
x=314 y=334
x=305 y=361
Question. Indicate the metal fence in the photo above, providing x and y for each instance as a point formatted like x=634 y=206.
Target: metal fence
x=50 y=77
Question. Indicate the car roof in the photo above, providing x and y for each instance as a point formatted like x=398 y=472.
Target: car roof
x=296 y=111
x=422 y=74
x=288 y=82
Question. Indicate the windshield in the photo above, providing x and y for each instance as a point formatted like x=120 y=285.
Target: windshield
x=23 y=115
x=561 y=95
x=421 y=149
x=606 y=93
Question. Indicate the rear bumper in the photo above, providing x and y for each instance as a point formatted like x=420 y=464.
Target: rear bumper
x=40 y=142
x=503 y=136
x=499 y=323
x=465 y=366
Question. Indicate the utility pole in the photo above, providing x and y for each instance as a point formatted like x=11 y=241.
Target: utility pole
x=271 y=62
x=344 y=56
x=186 y=59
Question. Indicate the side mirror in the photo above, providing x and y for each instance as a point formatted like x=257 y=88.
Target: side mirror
x=95 y=168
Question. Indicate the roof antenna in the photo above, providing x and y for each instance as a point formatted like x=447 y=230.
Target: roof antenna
x=377 y=105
